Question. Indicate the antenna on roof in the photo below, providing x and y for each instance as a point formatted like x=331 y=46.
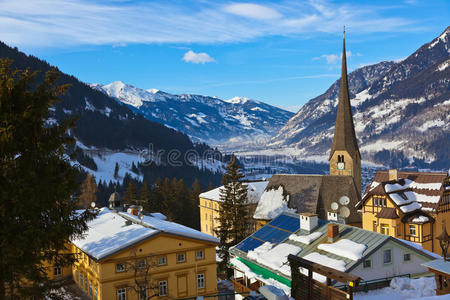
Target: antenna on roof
x=344 y=31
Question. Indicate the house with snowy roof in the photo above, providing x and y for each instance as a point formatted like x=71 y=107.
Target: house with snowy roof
x=407 y=205
x=126 y=256
x=210 y=205
x=339 y=191
x=262 y=258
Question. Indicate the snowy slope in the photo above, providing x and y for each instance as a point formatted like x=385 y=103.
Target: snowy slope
x=402 y=106
x=204 y=118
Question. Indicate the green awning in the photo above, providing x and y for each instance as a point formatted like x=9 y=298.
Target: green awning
x=264 y=272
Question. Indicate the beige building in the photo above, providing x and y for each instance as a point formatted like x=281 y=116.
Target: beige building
x=210 y=205
x=125 y=257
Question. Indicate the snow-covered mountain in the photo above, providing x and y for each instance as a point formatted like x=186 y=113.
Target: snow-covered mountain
x=401 y=110
x=204 y=118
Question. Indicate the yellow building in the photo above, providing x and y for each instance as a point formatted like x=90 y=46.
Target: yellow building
x=123 y=257
x=408 y=205
x=210 y=205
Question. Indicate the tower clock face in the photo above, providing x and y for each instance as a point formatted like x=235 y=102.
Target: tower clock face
x=341 y=166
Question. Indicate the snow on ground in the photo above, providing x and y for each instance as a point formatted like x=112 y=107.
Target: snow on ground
x=271 y=204
x=276 y=257
x=345 y=248
x=305 y=239
x=430 y=124
x=381 y=145
x=402 y=288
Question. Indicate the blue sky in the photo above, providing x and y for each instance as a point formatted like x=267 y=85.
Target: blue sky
x=280 y=52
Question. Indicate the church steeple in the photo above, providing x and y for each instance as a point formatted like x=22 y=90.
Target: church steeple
x=345 y=158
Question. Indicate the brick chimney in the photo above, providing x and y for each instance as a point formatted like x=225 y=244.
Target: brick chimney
x=393 y=174
x=333 y=232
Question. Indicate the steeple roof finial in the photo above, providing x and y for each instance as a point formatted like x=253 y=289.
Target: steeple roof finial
x=344 y=132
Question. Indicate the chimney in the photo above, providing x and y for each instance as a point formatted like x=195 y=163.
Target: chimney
x=332 y=216
x=333 y=232
x=308 y=221
x=393 y=174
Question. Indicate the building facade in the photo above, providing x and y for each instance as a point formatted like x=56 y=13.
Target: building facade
x=210 y=205
x=125 y=257
x=407 y=205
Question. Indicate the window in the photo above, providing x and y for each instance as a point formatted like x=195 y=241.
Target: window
x=90 y=289
x=199 y=254
x=367 y=263
x=385 y=229
x=141 y=264
x=407 y=257
x=375 y=226
x=412 y=230
x=200 y=281
x=85 y=283
x=122 y=294
x=379 y=201
x=181 y=257
x=206 y=216
x=77 y=276
x=206 y=227
x=387 y=256
x=81 y=280
x=163 y=288
x=143 y=292
x=120 y=268
x=161 y=260
x=57 y=271
x=95 y=292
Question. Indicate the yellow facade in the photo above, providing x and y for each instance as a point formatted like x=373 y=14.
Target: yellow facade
x=422 y=234
x=209 y=216
x=171 y=276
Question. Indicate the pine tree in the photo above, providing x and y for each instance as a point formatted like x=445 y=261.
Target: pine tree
x=233 y=213
x=144 y=196
x=37 y=184
x=130 y=196
x=116 y=171
x=89 y=191
x=196 y=191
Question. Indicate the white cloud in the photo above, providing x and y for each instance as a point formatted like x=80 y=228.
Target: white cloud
x=252 y=11
x=65 y=23
x=334 y=58
x=197 y=58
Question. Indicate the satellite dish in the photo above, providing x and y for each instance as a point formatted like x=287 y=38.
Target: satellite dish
x=334 y=206
x=344 y=200
x=93 y=204
x=344 y=212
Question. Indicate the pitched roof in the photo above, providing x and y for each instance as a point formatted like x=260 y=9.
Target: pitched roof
x=254 y=191
x=306 y=193
x=387 y=213
x=411 y=191
x=108 y=234
x=339 y=255
x=344 y=132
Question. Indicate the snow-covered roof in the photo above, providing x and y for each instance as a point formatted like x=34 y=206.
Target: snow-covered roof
x=284 y=236
x=439 y=265
x=171 y=227
x=272 y=203
x=254 y=192
x=108 y=233
x=411 y=191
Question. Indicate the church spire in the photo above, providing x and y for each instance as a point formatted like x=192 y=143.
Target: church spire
x=344 y=132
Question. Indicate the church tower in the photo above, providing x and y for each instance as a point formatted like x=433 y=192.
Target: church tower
x=345 y=158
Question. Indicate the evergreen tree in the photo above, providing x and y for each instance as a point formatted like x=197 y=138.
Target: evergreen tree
x=116 y=171
x=130 y=196
x=233 y=215
x=88 y=192
x=144 y=196
x=37 y=182
x=195 y=202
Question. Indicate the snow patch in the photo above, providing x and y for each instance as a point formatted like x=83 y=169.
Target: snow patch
x=305 y=239
x=345 y=248
x=271 y=204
